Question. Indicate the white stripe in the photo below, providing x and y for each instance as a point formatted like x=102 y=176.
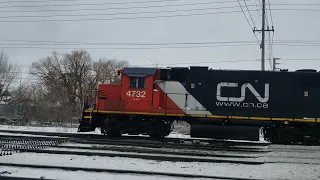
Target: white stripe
x=183 y=99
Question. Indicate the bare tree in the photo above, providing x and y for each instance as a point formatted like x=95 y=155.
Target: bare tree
x=106 y=70
x=63 y=74
x=68 y=78
x=8 y=73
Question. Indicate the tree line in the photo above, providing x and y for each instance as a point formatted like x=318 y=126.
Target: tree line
x=62 y=81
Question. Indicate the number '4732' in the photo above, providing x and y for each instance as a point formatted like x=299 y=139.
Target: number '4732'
x=136 y=94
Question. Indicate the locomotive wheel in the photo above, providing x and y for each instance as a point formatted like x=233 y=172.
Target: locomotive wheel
x=157 y=135
x=159 y=129
x=290 y=135
x=110 y=129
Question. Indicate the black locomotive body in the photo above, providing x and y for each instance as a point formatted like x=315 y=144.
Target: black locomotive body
x=285 y=104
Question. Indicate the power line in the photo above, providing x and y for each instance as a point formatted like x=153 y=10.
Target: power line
x=122 y=3
x=258 y=8
x=120 y=18
x=120 y=48
x=270 y=13
x=130 y=18
x=287 y=9
x=249 y=13
x=100 y=4
x=247 y=20
x=200 y=62
x=155 y=48
x=124 y=43
x=140 y=7
x=213 y=62
x=108 y=14
x=128 y=2
x=32 y=43
x=9 y=2
x=120 y=8
x=55 y=43
x=271 y=55
x=232 y=61
x=300 y=41
x=296 y=4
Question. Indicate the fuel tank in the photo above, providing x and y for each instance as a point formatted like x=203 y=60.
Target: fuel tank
x=225 y=132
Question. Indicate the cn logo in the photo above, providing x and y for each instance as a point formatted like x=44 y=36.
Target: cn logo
x=244 y=87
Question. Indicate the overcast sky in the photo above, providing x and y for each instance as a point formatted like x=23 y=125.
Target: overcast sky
x=222 y=27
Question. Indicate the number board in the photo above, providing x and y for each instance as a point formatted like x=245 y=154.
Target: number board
x=136 y=94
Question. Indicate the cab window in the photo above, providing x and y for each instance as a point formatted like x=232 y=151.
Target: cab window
x=136 y=82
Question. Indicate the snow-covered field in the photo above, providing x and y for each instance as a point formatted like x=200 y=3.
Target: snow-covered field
x=43 y=129
x=294 y=165
x=265 y=171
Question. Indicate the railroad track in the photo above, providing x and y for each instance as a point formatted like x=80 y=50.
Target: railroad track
x=138 y=141
x=38 y=145
x=160 y=156
x=134 y=152
x=41 y=145
x=21 y=178
x=100 y=137
x=4 y=152
x=171 y=151
x=156 y=144
x=14 y=144
x=138 y=148
x=157 y=157
x=118 y=171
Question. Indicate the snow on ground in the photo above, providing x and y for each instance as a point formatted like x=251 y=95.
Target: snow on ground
x=265 y=171
x=211 y=152
x=158 y=154
x=288 y=157
x=64 y=130
x=294 y=170
x=43 y=129
x=76 y=175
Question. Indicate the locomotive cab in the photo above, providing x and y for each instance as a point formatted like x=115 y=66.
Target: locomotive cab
x=137 y=88
x=135 y=93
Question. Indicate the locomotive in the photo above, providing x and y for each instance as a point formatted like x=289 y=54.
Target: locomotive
x=223 y=104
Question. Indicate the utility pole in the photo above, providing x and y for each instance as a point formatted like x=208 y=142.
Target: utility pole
x=263 y=35
x=274 y=64
x=263 y=30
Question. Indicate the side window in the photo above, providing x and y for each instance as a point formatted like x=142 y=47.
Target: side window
x=136 y=82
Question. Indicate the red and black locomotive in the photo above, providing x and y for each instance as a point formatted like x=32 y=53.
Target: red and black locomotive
x=233 y=104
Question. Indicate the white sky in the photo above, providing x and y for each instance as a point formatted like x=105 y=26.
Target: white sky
x=289 y=25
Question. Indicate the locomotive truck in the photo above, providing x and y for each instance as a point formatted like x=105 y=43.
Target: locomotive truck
x=224 y=104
